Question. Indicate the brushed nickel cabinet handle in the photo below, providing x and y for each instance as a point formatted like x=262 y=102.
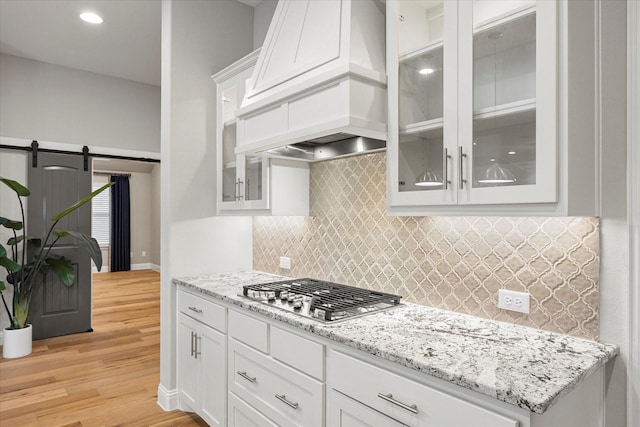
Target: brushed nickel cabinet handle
x=197 y=352
x=445 y=169
x=461 y=156
x=389 y=398
x=247 y=377
x=240 y=187
x=284 y=399
x=192 y=341
x=196 y=310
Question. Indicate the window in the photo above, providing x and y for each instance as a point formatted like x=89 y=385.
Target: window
x=100 y=212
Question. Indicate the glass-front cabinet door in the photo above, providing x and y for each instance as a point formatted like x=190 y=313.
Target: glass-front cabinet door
x=422 y=95
x=242 y=180
x=507 y=101
x=472 y=85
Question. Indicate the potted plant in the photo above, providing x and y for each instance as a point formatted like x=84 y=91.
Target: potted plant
x=27 y=260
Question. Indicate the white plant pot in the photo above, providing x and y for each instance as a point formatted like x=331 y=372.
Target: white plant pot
x=16 y=342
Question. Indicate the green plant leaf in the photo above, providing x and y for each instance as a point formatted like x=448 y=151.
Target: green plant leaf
x=3 y=251
x=2 y=286
x=63 y=269
x=21 y=190
x=9 y=265
x=81 y=202
x=34 y=241
x=13 y=225
x=86 y=242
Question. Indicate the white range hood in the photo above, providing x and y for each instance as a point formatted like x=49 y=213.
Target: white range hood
x=320 y=78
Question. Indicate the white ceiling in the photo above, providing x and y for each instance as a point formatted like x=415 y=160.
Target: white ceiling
x=126 y=45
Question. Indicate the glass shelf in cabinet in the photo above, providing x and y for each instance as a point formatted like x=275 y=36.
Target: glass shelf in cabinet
x=484 y=20
x=229 y=165
x=511 y=108
x=429 y=49
x=424 y=126
x=507 y=118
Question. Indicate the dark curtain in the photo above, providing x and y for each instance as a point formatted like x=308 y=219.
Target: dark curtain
x=120 y=225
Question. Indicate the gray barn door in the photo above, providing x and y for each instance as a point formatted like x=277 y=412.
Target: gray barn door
x=57 y=182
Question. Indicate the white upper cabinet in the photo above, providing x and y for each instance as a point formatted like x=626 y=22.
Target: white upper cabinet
x=247 y=183
x=242 y=180
x=474 y=123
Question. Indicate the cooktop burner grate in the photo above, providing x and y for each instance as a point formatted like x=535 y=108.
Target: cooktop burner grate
x=325 y=300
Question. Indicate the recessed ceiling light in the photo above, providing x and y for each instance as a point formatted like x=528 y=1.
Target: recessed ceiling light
x=511 y=152
x=91 y=18
x=426 y=71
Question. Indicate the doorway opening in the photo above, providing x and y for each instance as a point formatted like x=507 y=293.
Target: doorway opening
x=144 y=181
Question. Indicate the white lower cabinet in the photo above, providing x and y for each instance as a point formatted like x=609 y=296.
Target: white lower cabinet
x=281 y=393
x=399 y=398
x=343 y=411
x=241 y=414
x=201 y=360
x=242 y=369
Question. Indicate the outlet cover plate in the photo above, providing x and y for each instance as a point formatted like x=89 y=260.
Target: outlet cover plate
x=514 y=301
x=285 y=262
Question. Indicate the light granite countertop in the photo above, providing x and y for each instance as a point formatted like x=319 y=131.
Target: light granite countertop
x=527 y=367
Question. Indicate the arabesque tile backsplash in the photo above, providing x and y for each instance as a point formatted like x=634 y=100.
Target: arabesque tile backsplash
x=453 y=263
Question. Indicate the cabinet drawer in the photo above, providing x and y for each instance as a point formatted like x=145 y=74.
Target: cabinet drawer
x=248 y=330
x=298 y=352
x=283 y=394
x=394 y=396
x=207 y=312
x=243 y=415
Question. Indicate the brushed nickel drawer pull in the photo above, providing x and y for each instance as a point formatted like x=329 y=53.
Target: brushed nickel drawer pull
x=247 y=377
x=193 y=350
x=197 y=352
x=283 y=398
x=389 y=398
x=196 y=309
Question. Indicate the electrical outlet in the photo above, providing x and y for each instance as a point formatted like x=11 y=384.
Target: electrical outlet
x=285 y=262
x=144 y=254
x=514 y=301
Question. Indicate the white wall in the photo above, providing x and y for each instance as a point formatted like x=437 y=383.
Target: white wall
x=262 y=15
x=633 y=201
x=614 y=250
x=52 y=103
x=140 y=194
x=13 y=165
x=199 y=38
x=154 y=250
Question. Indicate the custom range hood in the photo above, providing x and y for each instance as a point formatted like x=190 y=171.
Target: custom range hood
x=318 y=90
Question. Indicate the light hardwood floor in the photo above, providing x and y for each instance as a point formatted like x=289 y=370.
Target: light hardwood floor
x=108 y=377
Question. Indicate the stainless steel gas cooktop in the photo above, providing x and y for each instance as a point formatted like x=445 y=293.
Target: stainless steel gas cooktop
x=324 y=301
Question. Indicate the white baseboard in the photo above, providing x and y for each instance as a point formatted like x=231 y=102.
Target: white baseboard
x=168 y=400
x=105 y=269
x=143 y=266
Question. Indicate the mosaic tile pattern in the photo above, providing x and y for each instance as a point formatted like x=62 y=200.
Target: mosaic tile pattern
x=453 y=263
